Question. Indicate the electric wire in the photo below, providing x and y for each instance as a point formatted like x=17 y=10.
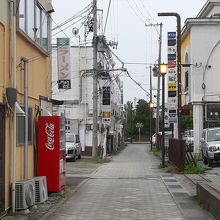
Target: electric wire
x=78 y=14
x=143 y=5
x=140 y=12
x=106 y=20
x=141 y=19
x=110 y=82
x=61 y=30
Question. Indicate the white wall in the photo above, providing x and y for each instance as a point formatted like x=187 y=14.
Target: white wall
x=203 y=41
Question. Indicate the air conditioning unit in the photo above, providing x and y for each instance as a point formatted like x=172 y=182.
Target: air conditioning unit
x=24 y=194
x=41 y=194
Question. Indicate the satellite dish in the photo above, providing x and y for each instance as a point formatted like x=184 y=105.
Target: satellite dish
x=75 y=31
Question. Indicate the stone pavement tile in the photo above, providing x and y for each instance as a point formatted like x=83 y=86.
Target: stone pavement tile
x=185 y=201
x=127 y=188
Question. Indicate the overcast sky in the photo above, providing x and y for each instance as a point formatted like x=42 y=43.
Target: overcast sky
x=126 y=24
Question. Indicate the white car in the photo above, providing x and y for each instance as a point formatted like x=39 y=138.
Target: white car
x=189 y=138
x=210 y=145
x=73 y=147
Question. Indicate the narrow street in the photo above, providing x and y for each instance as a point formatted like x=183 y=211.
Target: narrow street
x=131 y=186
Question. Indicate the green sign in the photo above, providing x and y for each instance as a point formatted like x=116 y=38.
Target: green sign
x=63 y=41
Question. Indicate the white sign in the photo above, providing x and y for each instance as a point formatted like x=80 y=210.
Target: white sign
x=49 y=130
x=172 y=78
x=63 y=57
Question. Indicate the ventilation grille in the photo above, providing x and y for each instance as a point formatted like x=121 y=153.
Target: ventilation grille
x=24 y=194
x=41 y=194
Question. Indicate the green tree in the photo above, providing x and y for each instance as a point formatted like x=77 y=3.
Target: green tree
x=132 y=116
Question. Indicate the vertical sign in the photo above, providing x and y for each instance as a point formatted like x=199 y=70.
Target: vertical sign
x=172 y=77
x=63 y=60
x=106 y=104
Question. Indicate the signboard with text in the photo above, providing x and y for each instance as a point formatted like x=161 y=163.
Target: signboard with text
x=63 y=61
x=172 y=77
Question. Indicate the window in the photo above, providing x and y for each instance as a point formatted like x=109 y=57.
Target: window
x=33 y=21
x=186 y=73
x=20 y=128
x=187 y=80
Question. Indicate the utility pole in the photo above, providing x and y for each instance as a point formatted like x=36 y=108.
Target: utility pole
x=151 y=109
x=158 y=85
x=158 y=77
x=95 y=79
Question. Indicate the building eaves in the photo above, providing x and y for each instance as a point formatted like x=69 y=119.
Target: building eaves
x=207 y=8
x=47 y=5
x=197 y=21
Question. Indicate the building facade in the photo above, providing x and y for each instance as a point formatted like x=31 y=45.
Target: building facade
x=25 y=72
x=78 y=100
x=201 y=50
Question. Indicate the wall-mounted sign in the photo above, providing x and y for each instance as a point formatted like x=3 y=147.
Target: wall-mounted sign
x=213 y=112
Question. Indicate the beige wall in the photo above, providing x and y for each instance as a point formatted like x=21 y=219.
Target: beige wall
x=4 y=11
x=39 y=71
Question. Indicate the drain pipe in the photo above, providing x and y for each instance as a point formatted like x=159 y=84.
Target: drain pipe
x=25 y=62
x=12 y=5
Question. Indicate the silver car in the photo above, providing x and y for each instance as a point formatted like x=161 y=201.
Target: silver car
x=73 y=147
x=210 y=145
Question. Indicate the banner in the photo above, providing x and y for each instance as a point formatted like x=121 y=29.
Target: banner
x=63 y=61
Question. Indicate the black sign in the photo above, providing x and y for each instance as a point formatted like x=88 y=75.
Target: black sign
x=106 y=96
x=171 y=56
x=64 y=84
x=171 y=93
x=213 y=112
x=172 y=42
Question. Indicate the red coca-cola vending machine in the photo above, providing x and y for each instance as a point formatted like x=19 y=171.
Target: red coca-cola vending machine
x=51 y=151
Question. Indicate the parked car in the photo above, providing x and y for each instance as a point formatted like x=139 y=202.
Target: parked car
x=210 y=145
x=168 y=134
x=73 y=147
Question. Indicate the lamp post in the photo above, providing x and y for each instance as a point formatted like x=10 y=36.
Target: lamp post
x=163 y=71
x=151 y=109
x=178 y=66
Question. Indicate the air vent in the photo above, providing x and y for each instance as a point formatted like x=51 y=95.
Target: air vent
x=41 y=194
x=24 y=194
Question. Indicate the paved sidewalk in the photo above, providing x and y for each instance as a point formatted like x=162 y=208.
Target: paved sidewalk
x=130 y=187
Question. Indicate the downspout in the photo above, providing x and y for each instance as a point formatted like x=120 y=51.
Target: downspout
x=12 y=4
x=25 y=62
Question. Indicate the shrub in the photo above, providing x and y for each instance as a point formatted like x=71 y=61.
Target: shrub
x=192 y=169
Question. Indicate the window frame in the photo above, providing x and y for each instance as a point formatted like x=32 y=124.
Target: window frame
x=24 y=31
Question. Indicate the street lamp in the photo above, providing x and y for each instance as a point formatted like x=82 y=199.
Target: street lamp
x=178 y=66
x=163 y=71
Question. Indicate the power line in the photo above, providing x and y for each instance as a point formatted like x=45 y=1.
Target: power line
x=141 y=19
x=78 y=14
x=106 y=20
x=139 y=10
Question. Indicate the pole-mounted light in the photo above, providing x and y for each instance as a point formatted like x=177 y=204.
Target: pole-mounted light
x=163 y=71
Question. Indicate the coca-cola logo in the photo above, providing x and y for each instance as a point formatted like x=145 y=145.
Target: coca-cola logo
x=49 y=130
